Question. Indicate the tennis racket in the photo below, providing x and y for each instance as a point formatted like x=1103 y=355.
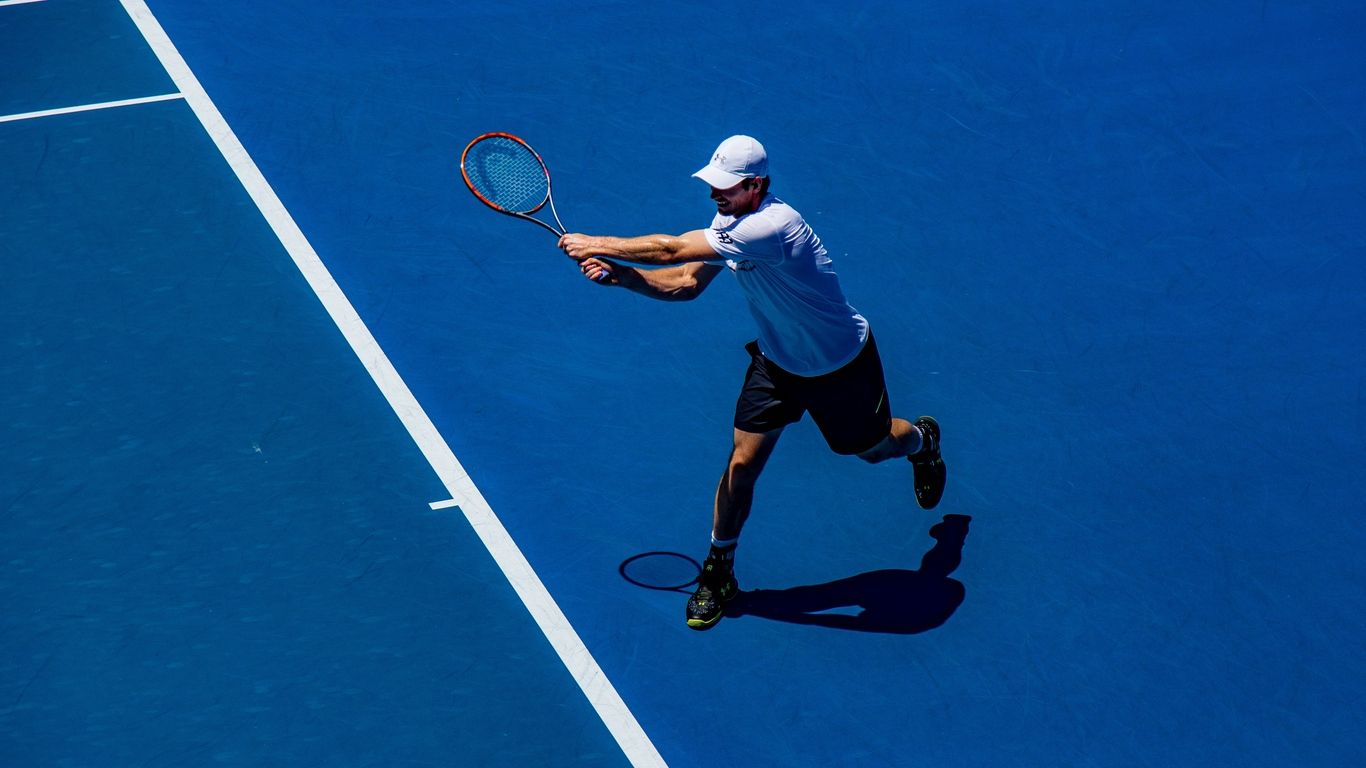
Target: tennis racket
x=507 y=175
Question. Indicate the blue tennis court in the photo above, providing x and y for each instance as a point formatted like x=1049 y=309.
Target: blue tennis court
x=315 y=460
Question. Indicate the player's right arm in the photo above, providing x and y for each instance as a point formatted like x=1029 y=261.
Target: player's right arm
x=650 y=250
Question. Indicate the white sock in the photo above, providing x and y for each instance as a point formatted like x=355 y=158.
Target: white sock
x=726 y=546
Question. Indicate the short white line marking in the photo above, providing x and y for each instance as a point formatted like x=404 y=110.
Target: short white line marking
x=447 y=504
x=620 y=722
x=4 y=3
x=88 y=107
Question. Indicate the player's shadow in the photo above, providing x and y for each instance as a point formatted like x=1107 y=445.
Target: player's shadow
x=893 y=601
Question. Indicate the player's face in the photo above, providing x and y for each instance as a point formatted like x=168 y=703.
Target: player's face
x=740 y=199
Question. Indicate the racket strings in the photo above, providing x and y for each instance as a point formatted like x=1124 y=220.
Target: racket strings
x=507 y=174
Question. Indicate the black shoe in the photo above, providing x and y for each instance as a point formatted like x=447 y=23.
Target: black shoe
x=928 y=465
x=708 y=603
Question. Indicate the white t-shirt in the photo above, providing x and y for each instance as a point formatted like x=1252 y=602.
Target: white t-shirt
x=806 y=325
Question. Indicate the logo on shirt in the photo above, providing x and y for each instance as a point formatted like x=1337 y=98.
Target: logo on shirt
x=723 y=236
x=740 y=266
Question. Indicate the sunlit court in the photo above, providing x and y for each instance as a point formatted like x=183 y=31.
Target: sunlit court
x=315 y=459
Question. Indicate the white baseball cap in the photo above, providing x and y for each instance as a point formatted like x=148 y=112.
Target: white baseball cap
x=739 y=157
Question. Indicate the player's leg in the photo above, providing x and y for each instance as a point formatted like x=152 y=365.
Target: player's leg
x=919 y=443
x=716 y=585
x=903 y=439
x=853 y=411
x=735 y=492
x=765 y=406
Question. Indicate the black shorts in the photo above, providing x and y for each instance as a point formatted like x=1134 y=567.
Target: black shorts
x=849 y=404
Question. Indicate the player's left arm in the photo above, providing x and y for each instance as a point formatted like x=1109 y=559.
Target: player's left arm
x=650 y=250
x=683 y=282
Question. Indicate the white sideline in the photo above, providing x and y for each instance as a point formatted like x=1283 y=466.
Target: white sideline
x=547 y=614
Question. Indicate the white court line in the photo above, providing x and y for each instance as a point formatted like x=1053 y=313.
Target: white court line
x=547 y=614
x=4 y=3
x=86 y=107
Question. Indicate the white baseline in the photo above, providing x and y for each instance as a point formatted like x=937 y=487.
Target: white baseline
x=87 y=107
x=573 y=653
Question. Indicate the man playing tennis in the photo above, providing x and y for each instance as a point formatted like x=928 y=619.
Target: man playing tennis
x=815 y=353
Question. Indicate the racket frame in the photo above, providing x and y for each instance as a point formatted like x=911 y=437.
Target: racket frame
x=549 y=197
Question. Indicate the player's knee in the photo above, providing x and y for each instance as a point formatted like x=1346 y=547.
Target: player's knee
x=743 y=468
x=874 y=456
x=881 y=452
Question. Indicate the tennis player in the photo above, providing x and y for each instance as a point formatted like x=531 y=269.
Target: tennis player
x=815 y=353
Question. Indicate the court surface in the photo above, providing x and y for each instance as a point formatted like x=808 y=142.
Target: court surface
x=314 y=460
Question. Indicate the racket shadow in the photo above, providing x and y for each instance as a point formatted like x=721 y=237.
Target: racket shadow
x=661 y=571
x=893 y=601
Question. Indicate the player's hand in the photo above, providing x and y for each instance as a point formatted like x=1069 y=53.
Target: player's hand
x=600 y=271
x=577 y=246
